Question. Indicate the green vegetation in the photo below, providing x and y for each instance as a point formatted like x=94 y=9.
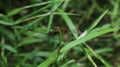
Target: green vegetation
x=59 y=33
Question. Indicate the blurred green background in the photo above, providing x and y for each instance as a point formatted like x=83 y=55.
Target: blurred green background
x=59 y=33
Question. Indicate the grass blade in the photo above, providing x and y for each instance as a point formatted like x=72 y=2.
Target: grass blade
x=98 y=56
x=69 y=23
x=95 y=23
x=8 y=47
x=93 y=34
x=89 y=57
x=29 y=40
x=17 y=10
x=5 y=23
x=50 y=60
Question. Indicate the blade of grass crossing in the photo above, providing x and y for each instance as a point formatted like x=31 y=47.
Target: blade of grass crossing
x=8 y=47
x=95 y=23
x=30 y=15
x=5 y=23
x=115 y=10
x=89 y=57
x=65 y=4
x=15 y=11
x=3 y=56
x=50 y=60
x=93 y=34
x=7 y=33
x=56 y=5
x=98 y=56
x=69 y=23
x=50 y=22
x=27 y=26
x=29 y=40
x=67 y=63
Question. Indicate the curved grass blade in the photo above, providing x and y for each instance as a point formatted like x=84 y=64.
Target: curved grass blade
x=92 y=34
x=97 y=56
x=95 y=23
x=5 y=23
x=15 y=11
x=7 y=33
x=89 y=57
x=29 y=40
x=8 y=47
x=50 y=60
x=69 y=23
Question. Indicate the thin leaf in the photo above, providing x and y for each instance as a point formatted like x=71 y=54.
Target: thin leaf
x=103 y=50
x=98 y=56
x=5 y=23
x=93 y=34
x=69 y=23
x=7 y=33
x=50 y=22
x=8 y=47
x=15 y=11
x=89 y=57
x=115 y=10
x=95 y=23
x=50 y=60
x=30 y=15
x=67 y=63
x=29 y=41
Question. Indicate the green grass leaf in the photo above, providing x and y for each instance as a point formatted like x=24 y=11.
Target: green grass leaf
x=8 y=47
x=5 y=23
x=92 y=34
x=89 y=57
x=29 y=40
x=17 y=10
x=69 y=23
x=7 y=33
x=50 y=60
x=95 y=23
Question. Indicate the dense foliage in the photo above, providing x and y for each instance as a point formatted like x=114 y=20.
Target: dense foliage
x=59 y=33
